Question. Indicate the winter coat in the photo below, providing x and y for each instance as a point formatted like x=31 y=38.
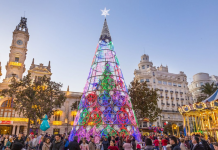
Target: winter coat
x=149 y=147
x=205 y=145
x=105 y=144
x=19 y=141
x=74 y=145
x=57 y=145
x=92 y=146
x=183 y=147
x=175 y=147
x=46 y=146
x=127 y=146
x=133 y=144
x=198 y=147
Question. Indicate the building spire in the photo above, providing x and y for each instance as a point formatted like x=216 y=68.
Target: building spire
x=33 y=62
x=105 y=34
x=49 y=66
x=68 y=88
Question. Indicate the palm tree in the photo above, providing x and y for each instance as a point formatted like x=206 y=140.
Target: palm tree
x=206 y=91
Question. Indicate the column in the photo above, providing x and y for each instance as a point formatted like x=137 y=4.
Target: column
x=13 y=130
x=18 y=129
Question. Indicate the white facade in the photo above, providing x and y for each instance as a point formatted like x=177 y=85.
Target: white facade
x=173 y=90
x=200 y=79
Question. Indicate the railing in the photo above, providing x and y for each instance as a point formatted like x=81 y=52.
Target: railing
x=177 y=99
x=166 y=90
x=181 y=92
x=168 y=104
x=171 y=91
x=57 y=123
x=176 y=91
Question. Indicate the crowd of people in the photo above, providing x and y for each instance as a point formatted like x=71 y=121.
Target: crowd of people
x=61 y=142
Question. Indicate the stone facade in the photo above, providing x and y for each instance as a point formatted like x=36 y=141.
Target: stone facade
x=10 y=121
x=173 y=90
x=200 y=79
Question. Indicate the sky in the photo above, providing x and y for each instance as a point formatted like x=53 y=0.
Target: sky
x=182 y=34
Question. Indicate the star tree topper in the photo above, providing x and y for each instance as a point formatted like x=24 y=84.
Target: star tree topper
x=105 y=12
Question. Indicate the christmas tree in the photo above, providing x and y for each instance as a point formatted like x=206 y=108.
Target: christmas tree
x=105 y=107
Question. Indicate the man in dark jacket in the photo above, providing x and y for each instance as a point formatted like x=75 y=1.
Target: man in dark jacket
x=57 y=144
x=19 y=139
x=173 y=142
x=196 y=145
x=203 y=143
x=74 y=145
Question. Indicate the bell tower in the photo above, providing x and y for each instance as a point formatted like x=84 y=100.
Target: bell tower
x=15 y=66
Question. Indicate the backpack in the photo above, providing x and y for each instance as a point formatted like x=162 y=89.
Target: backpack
x=66 y=144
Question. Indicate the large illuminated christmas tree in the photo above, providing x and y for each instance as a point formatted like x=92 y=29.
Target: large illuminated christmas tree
x=105 y=107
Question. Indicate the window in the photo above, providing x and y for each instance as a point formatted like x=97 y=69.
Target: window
x=145 y=124
x=143 y=66
x=16 y=59
x=179 y=85
x=57 y=117
x=141 y=80
x=160 y=82
x=164 y=82
x=6 y=109
x=147 y=66
x=163 y=116
x=196 y=85
x=153 y=80
x=146 y=58
x=168 y=116
x=174 y=84
x=169 y=83
x=147 y=80
x=201 y=83
x=143 y=58
x=153 y=74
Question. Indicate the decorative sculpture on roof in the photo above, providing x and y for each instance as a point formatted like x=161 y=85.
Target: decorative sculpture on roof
x=22 y=25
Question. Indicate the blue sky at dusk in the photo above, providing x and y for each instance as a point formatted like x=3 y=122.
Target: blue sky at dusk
x=182 y=34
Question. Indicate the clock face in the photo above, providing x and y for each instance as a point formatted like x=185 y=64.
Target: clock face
x=19 y=42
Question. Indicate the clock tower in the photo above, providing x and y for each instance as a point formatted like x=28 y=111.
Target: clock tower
x=15 y=66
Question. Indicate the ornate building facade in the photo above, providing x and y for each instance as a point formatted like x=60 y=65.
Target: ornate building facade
x=10 y=121
x=173 y=90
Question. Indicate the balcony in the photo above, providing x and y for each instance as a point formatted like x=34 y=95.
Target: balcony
x=161 y=97
x=57 y=123
x=181 y=92
x=167 y=97
x=171 y=91
x=182 y=99
x=172 y=98
x=166 y=90
x=161 y=90
x=176 y=92
x=163 y=104
x=168 y=105
x=177 y=99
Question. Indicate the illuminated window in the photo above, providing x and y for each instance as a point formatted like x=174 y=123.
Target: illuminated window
x=57 y=117
x=16 y=59
x=6 y=109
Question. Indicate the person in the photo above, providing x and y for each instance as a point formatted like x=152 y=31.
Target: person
x=215 y=145
x=41 y=141
x=74 y=145
x=47 y=144
x=148 y=144
x=182 y=145
x=84 y=145
x=109 y=138
x=210 y=141
x=133 y=143
x=17 y=146
x=5 y=142
x=138 y=146
x=112 y=146
x=164 y=143
x=27 y=143
x=9 y=143
x=92 y=145
x=34 y=143
x=196 y=145
x=66 y=142
x=173 y=142
x=127 y=145
x=105 y=143
x=58 y=144
x=156 y=144
x=187 y=143
x=204 y=143
x=81 y=141
x=19 y=139
x=120 y=143
x=178 y=141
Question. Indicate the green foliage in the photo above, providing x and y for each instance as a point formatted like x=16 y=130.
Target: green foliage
x=206 y=91
x=75 y=105
x=144 y=101
x=33 y=99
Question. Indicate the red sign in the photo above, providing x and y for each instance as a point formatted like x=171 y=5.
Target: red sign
x=6 y=122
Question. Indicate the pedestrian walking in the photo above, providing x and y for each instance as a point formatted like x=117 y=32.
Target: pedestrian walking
x=46 y=144
x=58 y=144
x=74 y=145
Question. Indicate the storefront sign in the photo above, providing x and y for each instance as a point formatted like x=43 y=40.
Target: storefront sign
x=6 y=122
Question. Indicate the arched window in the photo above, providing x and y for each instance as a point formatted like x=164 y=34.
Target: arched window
x=6 y=109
